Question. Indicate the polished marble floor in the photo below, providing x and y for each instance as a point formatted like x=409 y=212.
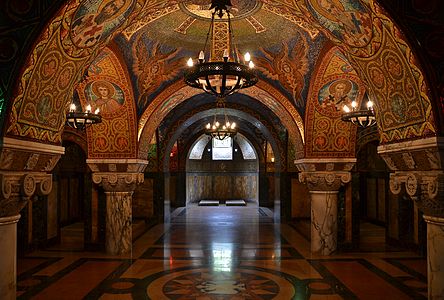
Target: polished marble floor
x=218 y=253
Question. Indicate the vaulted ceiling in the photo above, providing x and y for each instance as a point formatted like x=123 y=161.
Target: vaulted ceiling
x=302 y=49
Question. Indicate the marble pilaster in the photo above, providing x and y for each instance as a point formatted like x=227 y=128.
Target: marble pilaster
x=323 y=179
x=435 y=259
x=418 y=167
x=119 y=179
x=324 y=225
x=118 y=222
x=8 y=269
x=24 y=167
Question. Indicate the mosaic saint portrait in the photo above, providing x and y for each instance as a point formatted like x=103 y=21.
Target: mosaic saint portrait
x=105 y=96
x=95 y=20
x=337 y=93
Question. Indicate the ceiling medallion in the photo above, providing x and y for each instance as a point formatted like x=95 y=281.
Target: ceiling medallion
x=200 y=9
x=220 y=77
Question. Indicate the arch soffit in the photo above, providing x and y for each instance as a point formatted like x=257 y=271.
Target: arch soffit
x=55 y=41
x=179 y=92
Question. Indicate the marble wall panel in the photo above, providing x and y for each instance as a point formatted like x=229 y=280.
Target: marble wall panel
x=393 y=222
x=371 y=198
x=143 y=199
x=300 y=199
x=381 y=200
x=52 y=211
x=221 y=187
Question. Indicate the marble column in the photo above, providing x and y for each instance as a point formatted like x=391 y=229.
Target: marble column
x=323 y=178
x=8 y=242
x=324 y=225
x=435 y=261
x=417 y=169
x=119 y=188
x=118 y=222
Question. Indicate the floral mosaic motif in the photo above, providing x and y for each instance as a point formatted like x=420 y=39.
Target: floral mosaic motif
x=95 y=20
x=348 y=21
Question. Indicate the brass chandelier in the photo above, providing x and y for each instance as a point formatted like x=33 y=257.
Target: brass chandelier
x=213 y=75
x=81 y=120
x=225 y=128
x=361 y=117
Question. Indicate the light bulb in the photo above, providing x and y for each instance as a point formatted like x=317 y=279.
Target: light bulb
x=354 y=104
x=227 y=124
x=226 y=55
x=97 y=111
x=369 y=104
x=190 y=62
x=88 y=108
x=247 y=56
x=208 y=126
x=217 y=124
x=224 y=127
x=251 y=64
x=346 y=109
x=72 y=107
x=214 y=126
x=233 y=125
x=201 y=56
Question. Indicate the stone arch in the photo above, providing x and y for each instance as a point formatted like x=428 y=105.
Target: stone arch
x=178 y=92
x=37 y=109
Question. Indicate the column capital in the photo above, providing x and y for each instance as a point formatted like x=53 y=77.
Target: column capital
x=325 y=174
x=324 y=181
x=118 y=182
x=416 y=155
x=418 y=166
x=117 y=175
x=27 y=156
x=426 y=188
x=17 y=187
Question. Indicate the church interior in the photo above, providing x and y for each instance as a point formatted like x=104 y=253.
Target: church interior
x=116 y=184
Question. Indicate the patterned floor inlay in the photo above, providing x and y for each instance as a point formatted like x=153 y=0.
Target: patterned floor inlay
x=233 y=253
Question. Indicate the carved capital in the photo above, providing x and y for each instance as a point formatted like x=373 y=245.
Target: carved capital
x=324 y=181
x=418 y=155
x=26 y=156
x=118 y=182
x=17 y=188
x=325 y=174
x=426 y=188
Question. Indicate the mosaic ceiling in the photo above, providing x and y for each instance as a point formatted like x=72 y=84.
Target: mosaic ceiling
x=149 y=42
